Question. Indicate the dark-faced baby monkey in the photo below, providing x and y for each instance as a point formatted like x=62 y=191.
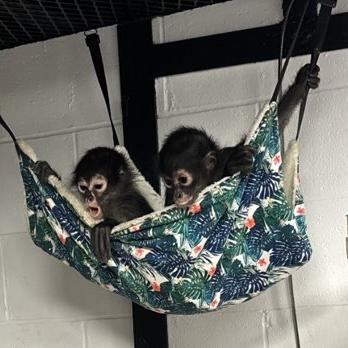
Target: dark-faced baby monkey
x=104 y=182
x=190 y=159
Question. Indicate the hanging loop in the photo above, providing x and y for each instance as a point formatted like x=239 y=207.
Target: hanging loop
x=93 y=41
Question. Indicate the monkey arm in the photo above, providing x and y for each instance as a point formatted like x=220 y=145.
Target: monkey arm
x=295 y=93
x=133 y=205
x=169 y=198
x=235 y=159
x=100 y=239
x=288 y=104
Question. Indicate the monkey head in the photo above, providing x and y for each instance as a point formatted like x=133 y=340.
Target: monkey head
x=99 y=177
x=184 y=183
x=187 y=164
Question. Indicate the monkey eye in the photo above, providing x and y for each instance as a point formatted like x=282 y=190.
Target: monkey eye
x=168 y=182
x=82 y=188
x=185 y=180
x=100 y=186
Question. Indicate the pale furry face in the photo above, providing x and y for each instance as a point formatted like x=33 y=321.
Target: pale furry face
x=90 y=191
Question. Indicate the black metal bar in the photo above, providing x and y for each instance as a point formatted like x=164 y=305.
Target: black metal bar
x=241 y=47
x=141 y=140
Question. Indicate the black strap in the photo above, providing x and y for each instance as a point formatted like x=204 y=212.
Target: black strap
x=320 y=35
x=290 y=52
x=282 y=40
x=92 y=41
x=9 y=131
x=321 y=29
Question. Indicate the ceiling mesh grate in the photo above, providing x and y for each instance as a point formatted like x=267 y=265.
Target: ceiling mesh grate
x=24 y=21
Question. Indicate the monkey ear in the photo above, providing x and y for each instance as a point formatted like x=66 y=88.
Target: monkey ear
x=210 y=160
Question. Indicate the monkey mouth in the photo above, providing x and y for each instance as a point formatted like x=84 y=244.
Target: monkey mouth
x=95 y=212
x=185 y=202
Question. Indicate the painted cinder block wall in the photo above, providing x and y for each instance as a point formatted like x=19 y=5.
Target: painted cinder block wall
x=49 y=95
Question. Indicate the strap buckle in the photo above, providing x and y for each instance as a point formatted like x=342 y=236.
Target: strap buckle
x=329 y=3
x=90 y=32
x=92 y=38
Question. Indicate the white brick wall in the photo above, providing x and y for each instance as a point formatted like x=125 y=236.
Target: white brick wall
x=50 y=96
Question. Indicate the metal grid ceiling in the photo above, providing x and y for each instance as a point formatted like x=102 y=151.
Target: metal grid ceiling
x=25 y=21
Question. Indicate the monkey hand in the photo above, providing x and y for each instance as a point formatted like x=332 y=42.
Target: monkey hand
x=306 y=77
x=100 y=240
x=43 y=170
x=241 y=159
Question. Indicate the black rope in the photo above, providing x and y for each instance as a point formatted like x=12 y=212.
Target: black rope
x=321 y=30
x=9 y=131
x=92 y=41
x=289 y=280
x=281 y=51
x=290 y=52
x=294 y=312
x=320 y=35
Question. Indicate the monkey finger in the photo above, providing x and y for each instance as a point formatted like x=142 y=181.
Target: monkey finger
x=105 y=249
x=40 y=170
x=94 y=242
x=315 y=70
x=313 y=75
x=43 y=170
x=107 y=243
x=243 y=158
x=101 y=245
x=314 y=82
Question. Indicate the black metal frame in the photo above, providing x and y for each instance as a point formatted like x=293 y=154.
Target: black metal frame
x=141 y=62
x=141 y=140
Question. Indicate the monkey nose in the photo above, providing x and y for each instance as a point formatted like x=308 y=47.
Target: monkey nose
x=90 y=197
x=179 y=195
x=181 y=199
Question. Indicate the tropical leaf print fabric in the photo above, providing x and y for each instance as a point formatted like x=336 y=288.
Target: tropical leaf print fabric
x=238 y=239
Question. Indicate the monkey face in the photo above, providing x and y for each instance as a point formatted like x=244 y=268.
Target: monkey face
x=91 y=190
x=187 y=163
x=184 y=185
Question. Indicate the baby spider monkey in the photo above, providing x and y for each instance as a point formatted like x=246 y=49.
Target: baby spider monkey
x=104 y=183
x=190 y=159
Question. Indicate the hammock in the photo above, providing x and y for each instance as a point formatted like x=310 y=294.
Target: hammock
x=238 y=239
x=241 y=236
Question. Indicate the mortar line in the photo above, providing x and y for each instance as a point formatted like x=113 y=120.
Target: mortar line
x=64 y=131
x=84 y=335
x=64 y=320
x=265 y=326
x=13 y=233
x=191 y=110
x=75 y=145
x=4 y=281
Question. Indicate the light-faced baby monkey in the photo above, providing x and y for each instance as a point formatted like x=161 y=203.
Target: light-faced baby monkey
x=104 y=182
x=190 y=159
